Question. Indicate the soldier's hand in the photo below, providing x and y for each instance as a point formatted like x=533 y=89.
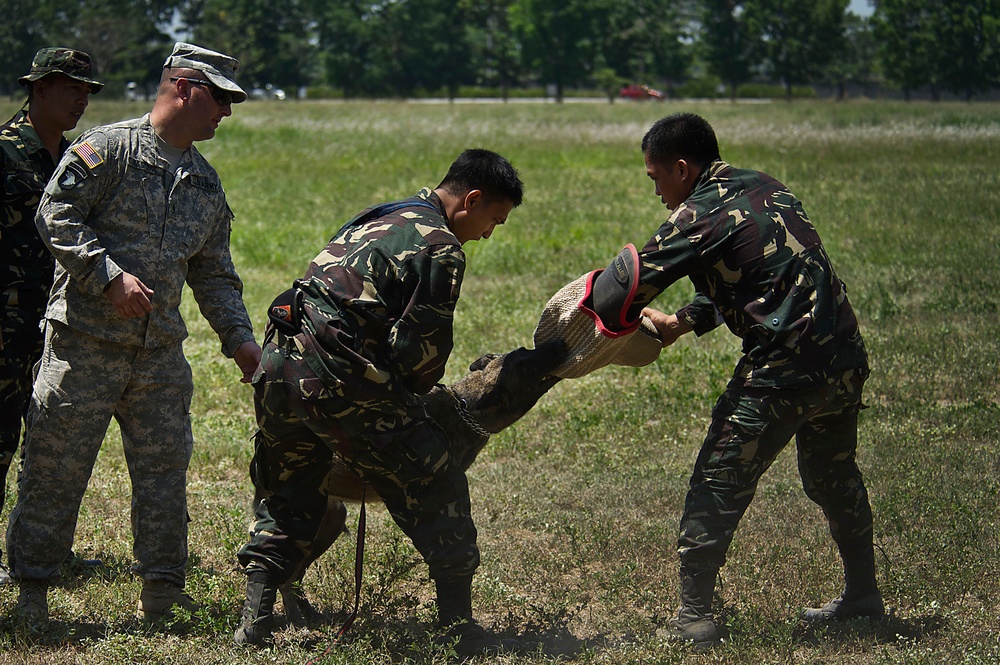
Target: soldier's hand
x=247 y=358
x=668 y=325
x=129 y=296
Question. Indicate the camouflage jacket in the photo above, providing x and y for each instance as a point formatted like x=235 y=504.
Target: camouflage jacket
x=757 y=264
x=113 y=206
x=377 y=310
x=25 y=166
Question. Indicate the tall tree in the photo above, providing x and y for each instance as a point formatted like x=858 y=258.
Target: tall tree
x=20 y=38
x=857 y=61
x=439 y=55
x=126 y=39
x=558 y=38
x=493 y=47
x=644 y=40
x=797 y=39
x=346 y=32
x=727 y=42
x=905 y=32
x=967 y=35
x=273 y=43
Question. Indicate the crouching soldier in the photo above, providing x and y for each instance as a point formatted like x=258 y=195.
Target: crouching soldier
x=350 y=349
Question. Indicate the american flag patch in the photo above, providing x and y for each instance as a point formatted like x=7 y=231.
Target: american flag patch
x=88 y=154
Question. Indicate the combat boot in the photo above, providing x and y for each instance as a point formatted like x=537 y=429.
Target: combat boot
x=158 y=599
x=861 y=597
x=257 y=621
x=695 y=624
x=461 y=631
x=32 y=602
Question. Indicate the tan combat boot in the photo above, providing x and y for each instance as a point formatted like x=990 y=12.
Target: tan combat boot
x=159 y=597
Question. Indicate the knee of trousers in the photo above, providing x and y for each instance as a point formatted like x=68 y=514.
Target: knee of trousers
x=450 y=551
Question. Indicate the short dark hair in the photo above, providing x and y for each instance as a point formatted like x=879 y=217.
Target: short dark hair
x=481 y=169
x=681 y=136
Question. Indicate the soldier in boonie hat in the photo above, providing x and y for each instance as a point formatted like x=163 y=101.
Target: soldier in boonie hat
x=218 y=68
x=59 y=60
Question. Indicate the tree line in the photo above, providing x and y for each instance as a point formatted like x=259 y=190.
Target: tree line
x=405 y=47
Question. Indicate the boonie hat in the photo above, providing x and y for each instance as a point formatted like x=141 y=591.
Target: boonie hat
x=217 y=67
x=59 y=60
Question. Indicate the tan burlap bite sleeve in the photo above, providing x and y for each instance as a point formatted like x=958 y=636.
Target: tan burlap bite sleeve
x=587 y=347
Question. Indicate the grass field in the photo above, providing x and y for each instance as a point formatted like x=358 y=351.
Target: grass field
x=578 y=503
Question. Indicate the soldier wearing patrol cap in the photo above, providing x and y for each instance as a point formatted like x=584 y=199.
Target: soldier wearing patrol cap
x=132 y=212
x=31 y=144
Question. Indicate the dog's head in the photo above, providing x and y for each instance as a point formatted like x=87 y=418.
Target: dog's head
x=499 y=389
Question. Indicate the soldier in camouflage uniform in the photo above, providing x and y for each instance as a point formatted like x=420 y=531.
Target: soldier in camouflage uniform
x=368 y=330
x=31 y=143
x=758 y=266
x=132 y=212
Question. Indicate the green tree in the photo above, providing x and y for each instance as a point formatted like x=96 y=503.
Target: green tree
x=967 y=36
x=559 y=38
x=727 y=42
x=438 y=54
x=274 y=45
x=857 y=61
x=797 y=39
x=644 y=40
x=345 y=31
x=949 y=45
x=493 y=48
x=20 y=38
x=907 y=46
x=126 y=39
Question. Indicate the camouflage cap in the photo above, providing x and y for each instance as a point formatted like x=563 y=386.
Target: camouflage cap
x=218 y=68
x=58 y=60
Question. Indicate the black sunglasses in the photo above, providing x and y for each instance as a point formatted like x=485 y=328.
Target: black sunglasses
x=221 y=97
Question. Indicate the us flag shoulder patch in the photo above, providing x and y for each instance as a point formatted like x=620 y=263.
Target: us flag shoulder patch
x=88 y=154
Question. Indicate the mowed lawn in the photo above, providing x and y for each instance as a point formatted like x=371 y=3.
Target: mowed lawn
x=578 y=503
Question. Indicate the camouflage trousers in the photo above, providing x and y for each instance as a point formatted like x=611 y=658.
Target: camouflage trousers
x=750 y=426
x=22 y=347
x=424 y=490
x=82 y=382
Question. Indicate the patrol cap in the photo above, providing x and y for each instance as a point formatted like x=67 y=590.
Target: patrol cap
x=58 y=60
x=217 y=67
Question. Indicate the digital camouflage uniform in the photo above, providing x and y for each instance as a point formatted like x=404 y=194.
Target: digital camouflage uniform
x=375 y=332
x=114 y=205
x=758 y=265
x=25 y=273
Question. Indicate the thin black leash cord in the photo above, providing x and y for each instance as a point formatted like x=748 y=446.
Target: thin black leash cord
x=359 y=556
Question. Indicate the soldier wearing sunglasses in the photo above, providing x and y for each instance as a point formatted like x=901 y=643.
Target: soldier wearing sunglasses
x=132 y=212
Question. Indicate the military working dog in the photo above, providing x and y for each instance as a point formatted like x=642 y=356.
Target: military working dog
x=496 y=393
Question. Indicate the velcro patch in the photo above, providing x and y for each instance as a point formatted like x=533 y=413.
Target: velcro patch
x=72 y=176
x=87 y=153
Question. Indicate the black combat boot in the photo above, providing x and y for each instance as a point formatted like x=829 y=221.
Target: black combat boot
x=861 y=597
x=454 y=599
x=257 y=622
x=695 y=623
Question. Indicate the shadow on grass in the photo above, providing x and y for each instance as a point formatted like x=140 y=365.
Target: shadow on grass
x=412 y=640
x=888 y=630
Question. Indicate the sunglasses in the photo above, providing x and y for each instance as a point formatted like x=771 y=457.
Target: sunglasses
x=221 y=97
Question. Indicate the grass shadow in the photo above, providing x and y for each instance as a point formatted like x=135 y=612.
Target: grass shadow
x=890 y=629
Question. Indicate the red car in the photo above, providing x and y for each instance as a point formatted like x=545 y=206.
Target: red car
x=635 y=91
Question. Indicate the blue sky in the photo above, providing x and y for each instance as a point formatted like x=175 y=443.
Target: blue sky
x=860 y=7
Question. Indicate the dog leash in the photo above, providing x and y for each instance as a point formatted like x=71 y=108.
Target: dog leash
x=465 y=414
x=359 y=556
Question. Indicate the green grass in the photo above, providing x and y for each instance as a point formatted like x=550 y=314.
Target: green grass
x=578 y=504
